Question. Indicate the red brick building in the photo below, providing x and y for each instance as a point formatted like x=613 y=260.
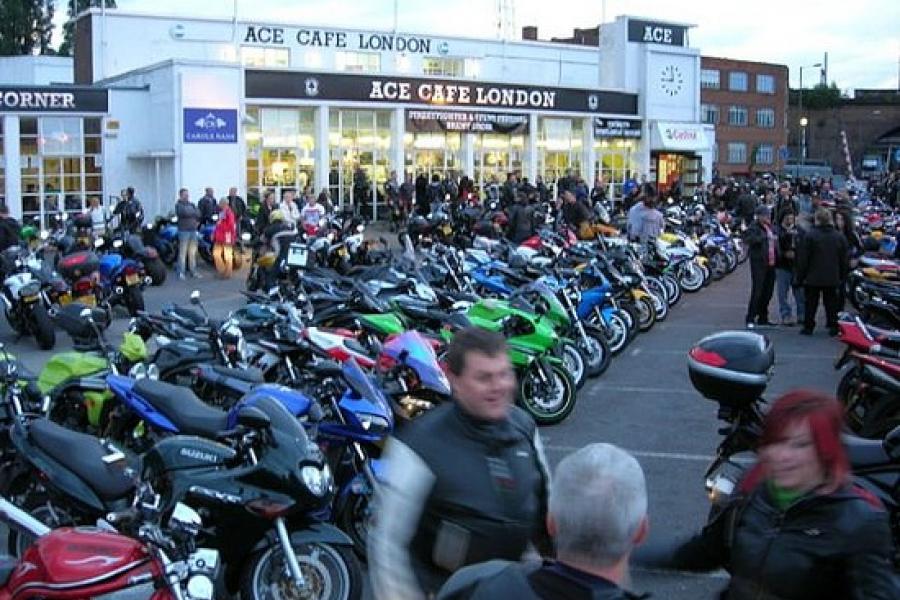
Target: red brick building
x=747 y=102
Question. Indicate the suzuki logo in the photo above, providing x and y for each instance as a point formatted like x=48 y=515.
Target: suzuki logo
x=198 y=455
x=210 y=121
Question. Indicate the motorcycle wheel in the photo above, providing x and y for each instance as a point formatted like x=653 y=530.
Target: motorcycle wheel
x=26 y=493
x=134 y=300
x=559 y=401
x=707 y=275
x=744 y=254
x=691 y=278
x=44 y=334
x=574 y=363
x=717 y=267
x=631 y=316
x=156 y=270
x=616 y=332
x=673 y=288
x=646 y=313
x=205 y=253
x=597 y=353
x=331 y=573
x=354 y=520
x=731 y=261
x=660 y=300
x=865 y=413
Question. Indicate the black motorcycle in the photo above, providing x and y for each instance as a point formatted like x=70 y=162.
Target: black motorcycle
x=24 y=302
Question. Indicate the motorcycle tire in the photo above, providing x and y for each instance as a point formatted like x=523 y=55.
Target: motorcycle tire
x=707 y=275
x=134 y=300
x=731 y=261
x=647 y=313
x=44 y=334
x=168 y=254
x=597 y=353
x=660 y=300
x=744 y=254
x=575 y=363
x=354 y=519
x=866 y=414
x=28 y=494
x=205 y=253
x=547 y=411
x=631 y=316
x=616 y=331
x=691 y=278
x=673 y=288
x=319 y=562
x=717 y=267
x=156 y=269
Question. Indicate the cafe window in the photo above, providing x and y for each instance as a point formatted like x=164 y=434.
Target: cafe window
x=61 y=165
x=617 y=160
x=709 y=79
x=281 y=144
x=709 y=113
x=443 y=67
x=358 y=62
x=255 y=56
x=737 y=116
x=765 y=117
x=559 y=147
x=737 y=152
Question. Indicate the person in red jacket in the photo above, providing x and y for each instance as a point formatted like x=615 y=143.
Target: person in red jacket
x=223 y=240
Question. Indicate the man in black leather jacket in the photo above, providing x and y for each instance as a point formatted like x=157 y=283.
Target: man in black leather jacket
x=598 y=514
x=466 y=482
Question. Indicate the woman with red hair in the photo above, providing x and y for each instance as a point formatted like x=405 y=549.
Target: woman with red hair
x=798 y=528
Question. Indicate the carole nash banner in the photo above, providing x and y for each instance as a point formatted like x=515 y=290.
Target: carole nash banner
x=433 y=92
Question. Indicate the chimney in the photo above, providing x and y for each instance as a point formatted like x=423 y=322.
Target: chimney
x=530 y=32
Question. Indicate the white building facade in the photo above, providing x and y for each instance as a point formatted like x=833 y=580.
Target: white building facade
x=160 y=103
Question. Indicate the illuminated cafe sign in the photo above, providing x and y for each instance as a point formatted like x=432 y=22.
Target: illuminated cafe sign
x=616 y=128
x=437 y=121
x=53 y=99
x=328 y=38
x=432 y=92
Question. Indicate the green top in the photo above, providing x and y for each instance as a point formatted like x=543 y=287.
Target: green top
x=782 y=497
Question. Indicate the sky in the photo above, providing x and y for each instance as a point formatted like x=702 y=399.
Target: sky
x=862 y=37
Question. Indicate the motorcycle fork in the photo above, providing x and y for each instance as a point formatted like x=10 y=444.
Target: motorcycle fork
x=293 y=564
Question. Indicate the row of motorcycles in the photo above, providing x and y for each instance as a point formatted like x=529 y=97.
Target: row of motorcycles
x=240 y=455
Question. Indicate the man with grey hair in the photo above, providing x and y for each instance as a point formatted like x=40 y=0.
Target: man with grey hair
x=597 y=516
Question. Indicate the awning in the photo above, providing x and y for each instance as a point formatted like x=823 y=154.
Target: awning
x=678 y=136
x=152 y=154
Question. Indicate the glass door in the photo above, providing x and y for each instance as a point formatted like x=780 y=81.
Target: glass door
x=431 y=153
x=359 y=154
x=496 y=155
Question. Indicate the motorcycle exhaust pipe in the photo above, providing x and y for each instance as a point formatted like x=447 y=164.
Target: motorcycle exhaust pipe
x=18 y=518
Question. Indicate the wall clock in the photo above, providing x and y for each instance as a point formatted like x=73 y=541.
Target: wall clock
x=671 y=81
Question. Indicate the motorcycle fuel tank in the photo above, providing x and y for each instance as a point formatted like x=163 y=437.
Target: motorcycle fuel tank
x=186 y=452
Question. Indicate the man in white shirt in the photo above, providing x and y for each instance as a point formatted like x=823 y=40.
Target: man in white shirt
x=289 y=208
x=311 y=214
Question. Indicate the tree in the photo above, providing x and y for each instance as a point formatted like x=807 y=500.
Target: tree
x=26 y=27
x=76 y=7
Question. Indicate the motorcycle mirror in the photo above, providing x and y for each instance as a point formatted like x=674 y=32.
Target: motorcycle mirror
x=253 y=418
x=246 y=236
x=98 y=243
x=117 y=243
x=173 y=220
x=195 y=297
x=85 y=314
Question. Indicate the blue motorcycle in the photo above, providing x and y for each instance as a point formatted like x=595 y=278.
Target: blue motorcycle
x=122 y=280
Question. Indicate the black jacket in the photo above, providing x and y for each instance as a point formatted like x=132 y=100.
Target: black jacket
x=822 y=259
x=456 y=491
x=786 y=255
x=531 y=581
x=207 y=206
x=746 y=205
x=822 y=547
x=758 y=242
x=521 y=222
x=9 y=233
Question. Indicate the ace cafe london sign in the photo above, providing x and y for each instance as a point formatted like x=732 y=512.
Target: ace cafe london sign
x=327 y=38
x=652 y=32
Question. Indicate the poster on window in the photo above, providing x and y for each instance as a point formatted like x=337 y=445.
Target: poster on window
x=433 y=121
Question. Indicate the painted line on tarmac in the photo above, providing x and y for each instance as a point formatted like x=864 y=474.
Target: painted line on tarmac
x=643 y=453
x=643 y=390
x=800 y=355
x=716 y=575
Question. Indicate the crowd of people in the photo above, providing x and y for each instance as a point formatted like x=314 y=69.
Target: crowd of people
x=469 y=509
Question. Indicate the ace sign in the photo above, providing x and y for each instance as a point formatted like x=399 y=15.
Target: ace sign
x=651 y=32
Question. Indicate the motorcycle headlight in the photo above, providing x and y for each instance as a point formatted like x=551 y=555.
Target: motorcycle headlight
x=30 y=289
x=138 y=371
x=374 y=423
x=317 y=480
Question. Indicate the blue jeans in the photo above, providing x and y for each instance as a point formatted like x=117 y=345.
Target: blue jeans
x=187 y=252
x=783 y=285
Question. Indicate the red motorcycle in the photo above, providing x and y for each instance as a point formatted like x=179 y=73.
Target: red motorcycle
x=870 y=388
x=85 y=562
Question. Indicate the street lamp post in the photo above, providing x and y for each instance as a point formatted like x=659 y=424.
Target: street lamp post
x=803 y=120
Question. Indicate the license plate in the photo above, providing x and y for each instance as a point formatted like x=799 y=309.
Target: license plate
x=298 y=255
x=133 y=279
x=30 y=299
x=87 y=300
x=65 y=299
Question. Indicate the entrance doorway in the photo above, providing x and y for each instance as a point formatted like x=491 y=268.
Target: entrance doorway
x=430 y=153
x=671 y=170
x=495 y=156
x=359 y=145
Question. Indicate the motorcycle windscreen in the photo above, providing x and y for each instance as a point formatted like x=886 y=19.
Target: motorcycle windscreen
x=364 y=390
x=420 y=357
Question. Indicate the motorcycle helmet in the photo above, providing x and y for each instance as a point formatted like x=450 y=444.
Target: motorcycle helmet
x=276 y=216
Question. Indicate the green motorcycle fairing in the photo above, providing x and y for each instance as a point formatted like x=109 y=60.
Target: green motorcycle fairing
x=383 y=324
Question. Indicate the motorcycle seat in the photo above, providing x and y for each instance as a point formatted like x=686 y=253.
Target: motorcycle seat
x=248 y=375
x=83 y=455
x=186 y=314
x=325 y=368
x=182 y=407
x=326 y=298
x=863 y=452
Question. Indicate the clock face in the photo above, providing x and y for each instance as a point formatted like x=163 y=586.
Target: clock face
x=671 y=80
